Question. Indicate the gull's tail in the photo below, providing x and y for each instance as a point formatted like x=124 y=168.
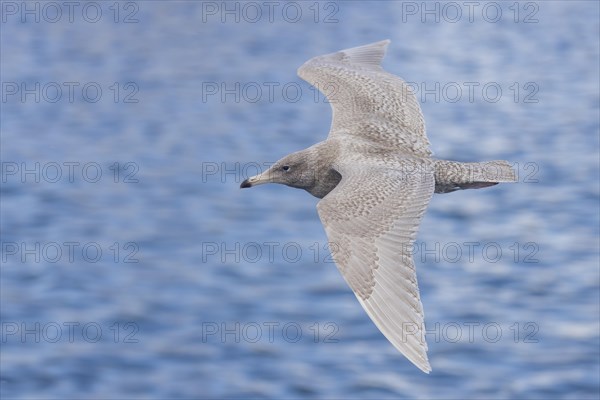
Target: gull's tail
x=453 y=175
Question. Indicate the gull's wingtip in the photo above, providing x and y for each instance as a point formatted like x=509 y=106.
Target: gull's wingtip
x=366 y=56
x=425 y=368
x=383 y=44
x=369 y=54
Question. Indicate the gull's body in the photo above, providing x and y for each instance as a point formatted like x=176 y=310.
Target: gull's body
x=375 y=176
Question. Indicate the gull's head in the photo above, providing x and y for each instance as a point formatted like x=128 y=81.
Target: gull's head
x=293 y=170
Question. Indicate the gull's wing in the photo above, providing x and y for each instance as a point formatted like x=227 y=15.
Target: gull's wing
x=367 y=101
x=371 y=219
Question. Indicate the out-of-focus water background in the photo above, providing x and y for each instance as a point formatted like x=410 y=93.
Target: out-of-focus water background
x=134 y=266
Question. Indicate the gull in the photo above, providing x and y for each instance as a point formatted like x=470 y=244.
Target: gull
x=375 y=176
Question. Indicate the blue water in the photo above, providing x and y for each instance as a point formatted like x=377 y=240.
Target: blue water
x=160 y=278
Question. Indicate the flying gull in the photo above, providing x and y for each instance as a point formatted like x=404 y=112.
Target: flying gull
x=375 y=176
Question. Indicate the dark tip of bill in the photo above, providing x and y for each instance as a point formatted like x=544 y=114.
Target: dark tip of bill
x=245 y=184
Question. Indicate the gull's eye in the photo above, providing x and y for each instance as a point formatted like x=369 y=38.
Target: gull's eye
x=285 y=167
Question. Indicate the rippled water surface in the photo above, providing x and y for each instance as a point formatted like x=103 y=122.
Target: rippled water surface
x=133 y=266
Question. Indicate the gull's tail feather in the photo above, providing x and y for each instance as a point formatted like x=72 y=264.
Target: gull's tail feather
x=453 y=175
